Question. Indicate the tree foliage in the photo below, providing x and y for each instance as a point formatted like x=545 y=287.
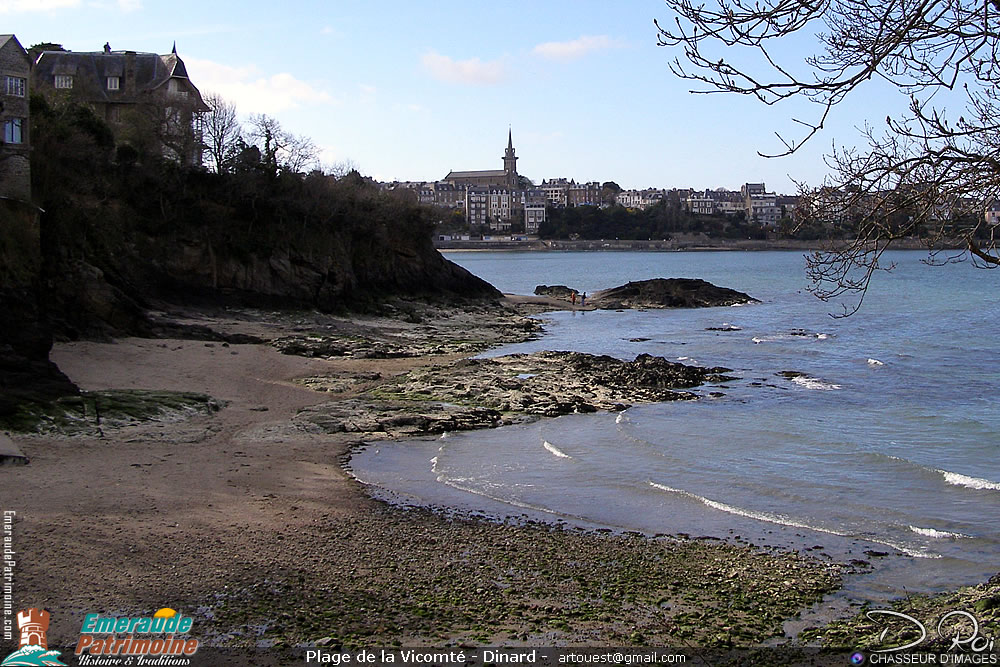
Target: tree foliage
x=657 y=222
x=922 y=172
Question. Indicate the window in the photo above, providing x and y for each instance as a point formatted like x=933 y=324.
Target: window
x=15 y=86
x=114 y=113
x=13 y=131
x=63 y=81
x=113 y=82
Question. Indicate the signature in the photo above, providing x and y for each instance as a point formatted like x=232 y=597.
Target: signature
x=965 y=636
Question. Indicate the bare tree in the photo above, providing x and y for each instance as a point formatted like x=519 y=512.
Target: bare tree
x=301 y=154
x=921 y=173
x=280 y=149
x=221 y=130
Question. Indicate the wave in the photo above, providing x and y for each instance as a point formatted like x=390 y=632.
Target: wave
x=555 y=451
x=938 y=534
x=953 y=478
x=620 y=418
x=779 y=519
x=795 y=334
x=454 y=483
x=969 y=482
x=875 y=362
x=782 y=520
x=808 y=382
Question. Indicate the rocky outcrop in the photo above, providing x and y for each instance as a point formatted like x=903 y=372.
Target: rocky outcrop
x=485 y=393
x=668 y=293
x=555 y=291
x=26 y=374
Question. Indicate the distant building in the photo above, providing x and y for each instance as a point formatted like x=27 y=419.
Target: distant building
x=502 y=178
x=477 y=206
x=761 y=206
x=15 y=149
x=128 y=89
x=640 y=199
x=701 y=203
x=533 y=203
x=993 y=213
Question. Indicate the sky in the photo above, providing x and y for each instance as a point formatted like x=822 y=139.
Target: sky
x=412 y=90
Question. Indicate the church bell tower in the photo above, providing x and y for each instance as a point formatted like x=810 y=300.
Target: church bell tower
x=510 y=162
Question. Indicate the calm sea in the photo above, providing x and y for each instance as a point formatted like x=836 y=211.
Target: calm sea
x=888 y=441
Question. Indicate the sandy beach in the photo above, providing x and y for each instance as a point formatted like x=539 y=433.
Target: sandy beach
x=246 y=519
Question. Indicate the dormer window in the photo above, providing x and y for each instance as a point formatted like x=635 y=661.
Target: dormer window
x=63 y=81
x=114 y=82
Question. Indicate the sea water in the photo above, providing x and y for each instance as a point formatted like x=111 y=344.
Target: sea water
x=884 y=439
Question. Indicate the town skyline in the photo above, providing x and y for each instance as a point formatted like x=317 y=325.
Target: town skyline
x=410 y=93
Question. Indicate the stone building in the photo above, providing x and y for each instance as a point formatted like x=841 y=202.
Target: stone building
x=15 y=149
x=490 y=178
x=142 y=96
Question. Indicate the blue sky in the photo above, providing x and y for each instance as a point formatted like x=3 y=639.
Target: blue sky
x=411 y=90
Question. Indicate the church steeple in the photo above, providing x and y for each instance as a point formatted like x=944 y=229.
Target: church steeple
x=510 y=161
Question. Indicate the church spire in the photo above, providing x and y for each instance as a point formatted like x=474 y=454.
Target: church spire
x=510 y=161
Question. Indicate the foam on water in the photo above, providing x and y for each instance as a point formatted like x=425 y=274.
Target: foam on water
x=939 y=534
x=782 y=520
x=814 y=383
x=750 y=514
x=969 y=482
x=555 y=451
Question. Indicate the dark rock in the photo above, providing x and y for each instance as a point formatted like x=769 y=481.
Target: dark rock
x=26 y=374
x=555 y=291
x=668 y=293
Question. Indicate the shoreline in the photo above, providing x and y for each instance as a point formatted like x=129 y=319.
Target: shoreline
x=679 y=244
x=250 y=516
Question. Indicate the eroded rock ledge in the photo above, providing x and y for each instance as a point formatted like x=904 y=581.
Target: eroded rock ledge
x=484 y=393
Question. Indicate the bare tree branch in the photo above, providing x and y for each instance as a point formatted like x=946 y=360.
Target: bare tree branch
x=924 y=174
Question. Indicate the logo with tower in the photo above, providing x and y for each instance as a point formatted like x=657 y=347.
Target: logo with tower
x=33 y=649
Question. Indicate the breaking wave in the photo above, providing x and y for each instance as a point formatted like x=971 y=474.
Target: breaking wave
x=938 y=534
x=782 y=520
x=555 y=451
x=808 y=382
x=969 y=482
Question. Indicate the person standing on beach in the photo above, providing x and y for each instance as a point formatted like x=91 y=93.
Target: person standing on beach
x=583 y=299
x=573 y=297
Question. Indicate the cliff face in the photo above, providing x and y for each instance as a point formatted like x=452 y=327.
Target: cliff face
x=331 y=271
x=237 y=239
x=26 y=374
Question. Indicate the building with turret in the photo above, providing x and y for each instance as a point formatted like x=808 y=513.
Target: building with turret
x=144 y=97
x=33 y=624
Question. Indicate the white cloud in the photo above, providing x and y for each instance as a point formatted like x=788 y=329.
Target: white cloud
x=18 y=6
x=574 y=49
x=129 y=5
x=473 y=71
x=254 y=92
x=367 y=89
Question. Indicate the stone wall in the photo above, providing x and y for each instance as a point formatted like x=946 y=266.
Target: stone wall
x=15 y=164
